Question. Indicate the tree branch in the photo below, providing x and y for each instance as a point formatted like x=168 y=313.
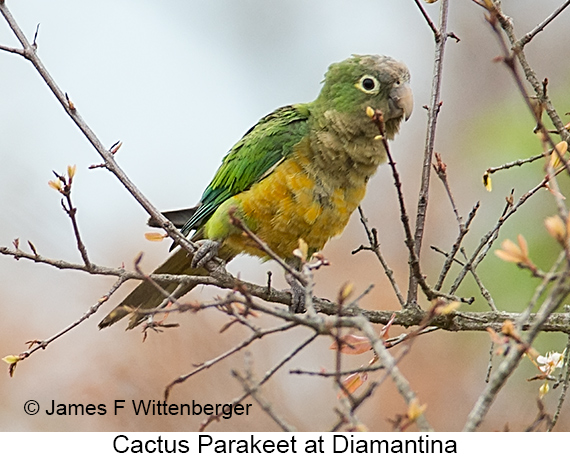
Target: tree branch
x=433 y=112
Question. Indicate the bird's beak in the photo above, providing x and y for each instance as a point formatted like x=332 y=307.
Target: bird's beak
x=401 y=101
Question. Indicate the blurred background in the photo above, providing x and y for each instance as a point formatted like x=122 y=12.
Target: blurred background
x=179 y=82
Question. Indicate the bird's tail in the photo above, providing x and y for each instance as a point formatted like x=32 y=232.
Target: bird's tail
x=146 y=296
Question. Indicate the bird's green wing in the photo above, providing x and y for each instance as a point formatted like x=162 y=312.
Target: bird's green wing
x=252 y=158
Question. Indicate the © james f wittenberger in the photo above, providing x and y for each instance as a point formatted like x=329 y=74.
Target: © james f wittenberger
x=146 y=408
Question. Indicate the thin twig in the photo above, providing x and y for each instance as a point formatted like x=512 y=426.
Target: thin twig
x=252 y=389
x=507 y=366
x=476 y=321
x=507 y=26
x=42 y=344
x=392 y=370
x=565 y=384
x=378 y=119
x=540 y=27
x=541 y=417
x=487 y=241
x=30 y=54
x=490 y=363
x=430 y=23
x=357 y=401
x=540 y=289
x=168 y=298
x=496 y=15
x=515 y=163
x=205 y=365
x=484 y=292
x=71 y=211
x=265 y=378
x=433 y=112
x=374 y=246
x=12 y=50
x=440 y=169
x=332 y=374
x=450 y=258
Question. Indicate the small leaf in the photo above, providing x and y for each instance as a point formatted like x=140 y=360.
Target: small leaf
x=71 y=171
x=556 y=228
x=510 y=252
x=386 y=328
x=352 y=344
x=351 y=383
x=508 y=328
x=155 y=236
x=116 y=147
x=523 y=245
x=302 y=251
x=415 y=410
x=56 y=184
x=369 y=112
x=447 y=308
x=33 y=248
x=12 y=360
x=487 y=181
x=345 y=292
x=561 y=147
x=544 y=388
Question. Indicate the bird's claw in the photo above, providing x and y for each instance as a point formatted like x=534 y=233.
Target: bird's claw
x=207 y=250
x=297 y=294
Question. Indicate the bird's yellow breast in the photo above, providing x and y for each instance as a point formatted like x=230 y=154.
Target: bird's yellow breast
x=288 y=204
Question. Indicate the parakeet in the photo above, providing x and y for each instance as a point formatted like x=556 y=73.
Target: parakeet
x=299 y=172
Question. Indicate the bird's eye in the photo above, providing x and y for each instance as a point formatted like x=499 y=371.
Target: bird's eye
x=368 y=84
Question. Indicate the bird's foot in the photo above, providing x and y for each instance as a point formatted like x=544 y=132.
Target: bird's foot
x=207 y=250
x=297 y=294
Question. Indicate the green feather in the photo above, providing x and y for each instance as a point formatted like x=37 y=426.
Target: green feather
x=252 y=158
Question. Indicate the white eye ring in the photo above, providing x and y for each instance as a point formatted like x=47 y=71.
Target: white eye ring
x=368 y=84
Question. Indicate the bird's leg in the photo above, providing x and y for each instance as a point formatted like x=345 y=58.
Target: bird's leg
x=207 y=250
x=297 y=294
x=297 y=290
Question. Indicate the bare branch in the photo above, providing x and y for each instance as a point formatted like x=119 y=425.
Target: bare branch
x=430 y=23
x=515 y=163
x=30 y=54
x=530 y=75
x=540 y=27
x=488 y=239
x=12 y=50
x=450 y=258
x=42 y=344
x=265 y=378
x=440 y=169
x=372 y=235
x=205 y=365
x=499 y=377
x=251 y=388
x=565 y=380
x=433 y=112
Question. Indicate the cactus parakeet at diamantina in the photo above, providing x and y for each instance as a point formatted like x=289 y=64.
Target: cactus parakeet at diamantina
x=299 y=172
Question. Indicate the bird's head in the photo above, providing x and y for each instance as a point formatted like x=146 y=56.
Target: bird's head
x=380 y=82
